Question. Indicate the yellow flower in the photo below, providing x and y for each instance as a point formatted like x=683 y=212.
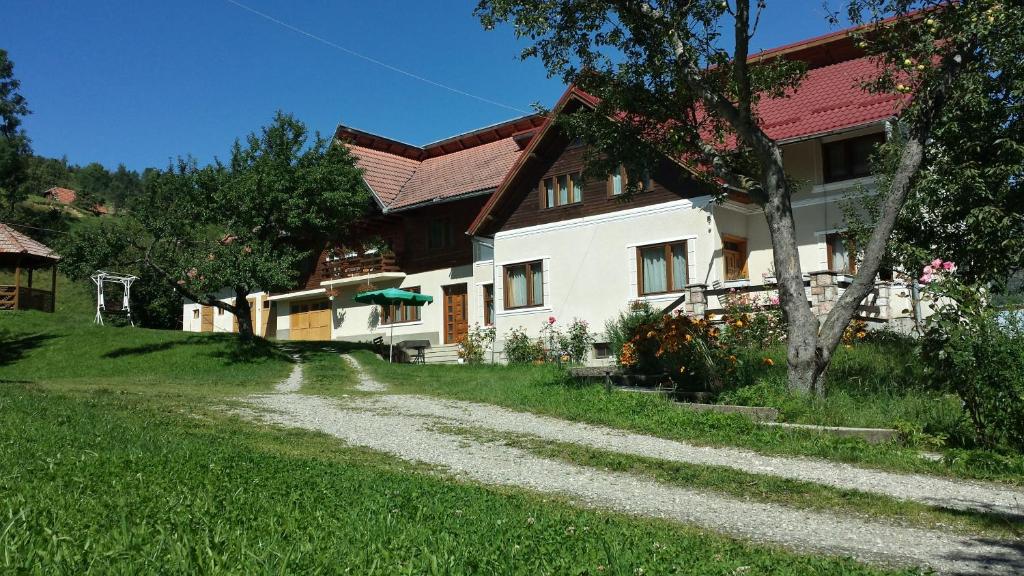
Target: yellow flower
x=768 y=361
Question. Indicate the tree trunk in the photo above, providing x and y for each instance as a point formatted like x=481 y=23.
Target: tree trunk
x=801 y=325
x=241 y=312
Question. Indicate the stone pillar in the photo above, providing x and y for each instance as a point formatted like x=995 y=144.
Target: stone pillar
x=697 y=300
x=882 y=300
x=824 y=292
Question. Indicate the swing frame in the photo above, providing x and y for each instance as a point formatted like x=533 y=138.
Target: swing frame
x=100 y=279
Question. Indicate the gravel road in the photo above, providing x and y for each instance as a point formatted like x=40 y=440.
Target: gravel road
x=406 y=427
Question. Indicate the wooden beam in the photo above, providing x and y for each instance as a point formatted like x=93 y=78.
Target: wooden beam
x=17 y=282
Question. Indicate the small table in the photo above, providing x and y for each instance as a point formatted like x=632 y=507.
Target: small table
x=420 y=346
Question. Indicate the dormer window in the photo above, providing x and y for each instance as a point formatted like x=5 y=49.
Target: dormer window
x=850 y=158
x=562 y=190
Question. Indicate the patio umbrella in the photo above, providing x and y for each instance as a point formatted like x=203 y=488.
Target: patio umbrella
x=389 y=296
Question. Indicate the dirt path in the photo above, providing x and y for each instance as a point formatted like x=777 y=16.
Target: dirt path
x=406 y=427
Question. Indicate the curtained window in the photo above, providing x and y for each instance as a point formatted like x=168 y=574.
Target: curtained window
x=524 y=285
x=488 y=304
x=562 y=190
x=398 y=313
x=842 y=255
x=661 y=268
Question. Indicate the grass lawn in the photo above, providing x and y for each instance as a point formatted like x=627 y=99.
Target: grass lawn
x=117 y=460
x=543 y=390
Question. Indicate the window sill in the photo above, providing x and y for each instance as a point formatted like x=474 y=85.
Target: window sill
x=400 y=324
x=740 y=283
x=484 y=262
x=523 y=310
x=667 y=296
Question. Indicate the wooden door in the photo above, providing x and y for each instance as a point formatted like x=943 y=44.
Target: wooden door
x=456 y=316
x=734 y=251
x=206 y=319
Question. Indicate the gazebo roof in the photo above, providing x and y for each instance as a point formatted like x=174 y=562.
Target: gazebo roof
x=15 y=245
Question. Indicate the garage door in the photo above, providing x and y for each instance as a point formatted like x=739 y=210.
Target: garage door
x=311 y=321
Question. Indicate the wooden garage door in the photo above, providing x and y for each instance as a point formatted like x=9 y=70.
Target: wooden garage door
x=206 y=320
x=311 y=321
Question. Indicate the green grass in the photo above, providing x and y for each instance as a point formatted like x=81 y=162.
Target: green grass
x=104 y=482
x=71 y=351
x=544 y=390
x=116 y=460
x=761 y=488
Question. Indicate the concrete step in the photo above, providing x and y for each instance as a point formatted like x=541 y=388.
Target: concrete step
x=444 y=354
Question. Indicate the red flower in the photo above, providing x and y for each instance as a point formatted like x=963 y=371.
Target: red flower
x=551 y=319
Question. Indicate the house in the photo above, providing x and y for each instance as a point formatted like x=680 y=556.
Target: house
x=500 y=226
x=68 y=197
x=413 y=237
x=61 y=195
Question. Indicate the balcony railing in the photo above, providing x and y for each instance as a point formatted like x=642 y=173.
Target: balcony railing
x=26 y=298
x=361 y=265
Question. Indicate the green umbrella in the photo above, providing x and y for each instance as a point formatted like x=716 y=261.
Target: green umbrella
x=390 y=296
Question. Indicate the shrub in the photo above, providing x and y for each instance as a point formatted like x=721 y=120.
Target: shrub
x=685 y=348
x=576 y=341
x=625 y=326
x=475 y=344
x=521 y=349
x=973 y=350
x=751 y=322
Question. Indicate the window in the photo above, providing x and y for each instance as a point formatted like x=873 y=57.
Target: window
x=562 y=190
x=618 y=181
x=195 y=314
x=734 y=252
x=850 y=158
x=524 y=285
x=398 y=313
x=220 y=311
x=661 y=268
x=483 y=251
x=440 y=234
x=602 y=350
x=488 y=304
x=841 y=253
x=266 y=304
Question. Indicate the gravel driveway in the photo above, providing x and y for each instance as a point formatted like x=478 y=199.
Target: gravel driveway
x=406 y=427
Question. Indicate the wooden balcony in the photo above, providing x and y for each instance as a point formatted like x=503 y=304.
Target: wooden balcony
x=355 y=266
x=14 y=298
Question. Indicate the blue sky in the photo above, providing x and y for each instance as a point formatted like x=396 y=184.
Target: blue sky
x=143 y=81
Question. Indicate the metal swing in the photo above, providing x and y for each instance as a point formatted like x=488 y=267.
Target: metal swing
x=100 y=278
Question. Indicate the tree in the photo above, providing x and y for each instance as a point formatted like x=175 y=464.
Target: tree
x=14 y=144
x=244 y=226
x=967 y=204
x=667 y=81
x=92 y=185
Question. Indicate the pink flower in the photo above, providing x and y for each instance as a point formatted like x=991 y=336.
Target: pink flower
x=928 y=270
x=774 y=300
x=927 y=278
x=948 y=266
x=551 y=319
x=937 y=263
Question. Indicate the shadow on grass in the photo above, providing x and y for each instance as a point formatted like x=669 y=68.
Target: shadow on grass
x=230 y=348
x=305 y=347
x=14 y=347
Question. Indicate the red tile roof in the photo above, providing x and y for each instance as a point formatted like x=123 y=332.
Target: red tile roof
x=402 y=175
x=62 y=195
x=829 y=99
x=14 y=242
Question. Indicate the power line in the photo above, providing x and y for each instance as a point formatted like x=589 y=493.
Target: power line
x=373 y=60
x=34 y=227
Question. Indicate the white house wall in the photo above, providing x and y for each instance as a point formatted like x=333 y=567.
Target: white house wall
x=590 y=263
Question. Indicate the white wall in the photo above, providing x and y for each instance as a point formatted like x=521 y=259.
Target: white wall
x=590 y=263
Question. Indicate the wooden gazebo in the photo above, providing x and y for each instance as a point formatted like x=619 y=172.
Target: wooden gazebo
x=24 y=256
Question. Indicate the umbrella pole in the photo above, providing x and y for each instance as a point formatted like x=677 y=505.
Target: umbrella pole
x=391 y=346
